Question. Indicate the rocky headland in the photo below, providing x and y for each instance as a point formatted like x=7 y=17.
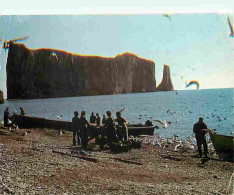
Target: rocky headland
x=45 y=73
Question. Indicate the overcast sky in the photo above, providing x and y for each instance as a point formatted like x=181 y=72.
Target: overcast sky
x=196 y=46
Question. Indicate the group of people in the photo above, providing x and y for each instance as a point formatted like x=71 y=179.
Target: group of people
x=6 y=116
x=109 y=129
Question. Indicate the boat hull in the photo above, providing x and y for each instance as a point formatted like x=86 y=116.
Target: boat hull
x=223 y=145
x=37 y=122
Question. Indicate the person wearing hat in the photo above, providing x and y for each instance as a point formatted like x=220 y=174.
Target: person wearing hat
x=84 y=124
x=200 y=130
x=76 y=129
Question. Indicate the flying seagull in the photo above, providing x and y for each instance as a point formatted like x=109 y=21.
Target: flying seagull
x=166 y=15
x=231 y=28
x=6 y=43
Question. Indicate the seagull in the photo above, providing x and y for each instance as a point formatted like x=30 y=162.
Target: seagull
x=166 y=15
x=7 y=43
x=231 y=28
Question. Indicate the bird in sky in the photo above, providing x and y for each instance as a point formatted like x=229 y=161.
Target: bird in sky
x=167 y=15
x=231 y=28
x=6 y=43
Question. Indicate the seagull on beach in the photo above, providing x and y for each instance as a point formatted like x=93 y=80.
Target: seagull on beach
x=231 y=28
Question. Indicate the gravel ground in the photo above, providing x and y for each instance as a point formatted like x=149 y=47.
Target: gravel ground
x=28 y=165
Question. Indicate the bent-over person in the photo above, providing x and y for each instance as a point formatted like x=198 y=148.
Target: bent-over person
x=200 y=130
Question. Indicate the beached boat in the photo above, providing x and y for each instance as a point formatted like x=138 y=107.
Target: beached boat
x=223 y=145
x=37 y=122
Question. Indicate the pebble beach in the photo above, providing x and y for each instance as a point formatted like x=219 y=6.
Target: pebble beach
x=32 y=163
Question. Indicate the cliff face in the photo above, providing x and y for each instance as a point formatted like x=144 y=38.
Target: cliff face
x=45 y=73
x=166 y=83
x=1 y=97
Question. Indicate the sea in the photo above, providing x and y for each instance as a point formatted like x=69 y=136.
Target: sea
x=182 y=108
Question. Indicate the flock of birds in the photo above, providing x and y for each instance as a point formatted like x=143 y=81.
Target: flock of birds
x=176 y=144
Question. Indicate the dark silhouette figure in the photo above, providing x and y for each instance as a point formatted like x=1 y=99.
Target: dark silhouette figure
x=111 y=131
x=84 y=124
x=92 y=118
x=76 y=129
x=104 y=119
x=200 y=130
x=123 y=129
x=22 y=111
x=6 y=117
x=98 y=119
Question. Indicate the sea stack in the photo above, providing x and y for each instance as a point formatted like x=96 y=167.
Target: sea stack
x=1 y=97
x=166 y=83
x=47 y=73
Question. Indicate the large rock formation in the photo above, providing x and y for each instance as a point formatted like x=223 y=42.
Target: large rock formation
x=46 y=73
x=166 y=84
x=1 y=97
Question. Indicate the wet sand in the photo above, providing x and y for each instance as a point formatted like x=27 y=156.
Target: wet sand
x=28 y=165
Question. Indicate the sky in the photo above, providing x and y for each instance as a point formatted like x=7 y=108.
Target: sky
x=194 y=43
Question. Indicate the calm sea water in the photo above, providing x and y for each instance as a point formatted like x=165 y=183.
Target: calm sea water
x=182 y=109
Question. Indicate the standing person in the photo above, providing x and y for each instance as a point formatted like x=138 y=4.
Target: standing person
x=6 y=117
x=111 y=134
x=123 y=126
x=84 y=124
x=76 y=129
x=98 y=119
x=200 y=130
x=22 y=111
x=104 y=119
x=92 y=118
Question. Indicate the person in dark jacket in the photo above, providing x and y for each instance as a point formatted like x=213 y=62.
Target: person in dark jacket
x=110 y=125
x=76 y=129
x=98 y=119
x=200 y=130
x=122 y=125
x=84 y=125
x=103 y=119
x=92 y=118
x=6 y=117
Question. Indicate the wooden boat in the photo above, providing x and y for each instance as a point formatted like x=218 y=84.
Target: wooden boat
x=37 y=122
x=223 y=145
